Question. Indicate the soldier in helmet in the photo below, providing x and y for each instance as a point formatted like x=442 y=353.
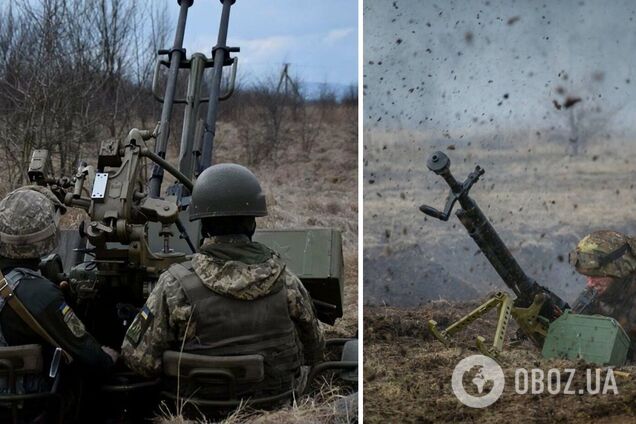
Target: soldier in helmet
x=235 y=297
x=28 y=231
x=608 y=260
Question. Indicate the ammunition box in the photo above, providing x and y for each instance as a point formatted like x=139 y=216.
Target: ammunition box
x=315 y=256
x=594 y=338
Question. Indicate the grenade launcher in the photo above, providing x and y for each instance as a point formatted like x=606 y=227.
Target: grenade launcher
x=534 y=306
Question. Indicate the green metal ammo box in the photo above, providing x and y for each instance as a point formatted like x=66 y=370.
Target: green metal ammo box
x=315 y=256
x=595 y=338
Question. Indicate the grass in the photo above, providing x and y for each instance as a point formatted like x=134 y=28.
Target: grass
x=328 y=404
x=407 y=374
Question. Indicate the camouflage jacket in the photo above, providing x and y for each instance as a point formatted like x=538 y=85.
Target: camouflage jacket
x=164 y=321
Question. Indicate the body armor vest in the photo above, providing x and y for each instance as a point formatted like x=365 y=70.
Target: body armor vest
x=226 y=326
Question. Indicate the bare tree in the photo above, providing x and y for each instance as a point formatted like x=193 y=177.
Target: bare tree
x=271 y=120
x=271 y=110
x=72 y=72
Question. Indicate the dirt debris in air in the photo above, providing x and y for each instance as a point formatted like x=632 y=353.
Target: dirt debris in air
x=571 y=101
x=407 y=374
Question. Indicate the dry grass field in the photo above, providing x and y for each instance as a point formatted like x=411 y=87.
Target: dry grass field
x=407 y=375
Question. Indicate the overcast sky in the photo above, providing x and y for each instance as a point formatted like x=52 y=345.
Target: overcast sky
x=318 y=37
x=498 y=63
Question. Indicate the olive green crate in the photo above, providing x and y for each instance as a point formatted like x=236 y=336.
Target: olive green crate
x=594 y=338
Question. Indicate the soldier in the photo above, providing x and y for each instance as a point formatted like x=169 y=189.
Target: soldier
x=608 y=260
x=234 y=297
x=28 y=231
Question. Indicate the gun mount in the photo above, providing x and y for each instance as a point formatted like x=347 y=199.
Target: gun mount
x=120 y=265
x=534 y=306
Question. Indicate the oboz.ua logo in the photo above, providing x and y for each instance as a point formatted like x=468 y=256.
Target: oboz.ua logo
x=478 y=381
x=484 y=379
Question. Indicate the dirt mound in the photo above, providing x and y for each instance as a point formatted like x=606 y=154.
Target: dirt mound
x=407 y=375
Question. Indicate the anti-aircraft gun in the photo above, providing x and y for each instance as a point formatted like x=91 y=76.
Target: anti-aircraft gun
x=542 y=316
x=133 y=233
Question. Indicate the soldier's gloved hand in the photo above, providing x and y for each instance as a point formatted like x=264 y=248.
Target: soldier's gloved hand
x=114 y=355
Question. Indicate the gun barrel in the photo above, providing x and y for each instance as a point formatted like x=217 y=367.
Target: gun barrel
x=489 y=242
x=495 y=250
x=221 y=53
x=190 y=115
x=176 y=54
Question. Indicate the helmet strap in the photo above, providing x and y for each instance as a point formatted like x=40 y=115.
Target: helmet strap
x=613 y=256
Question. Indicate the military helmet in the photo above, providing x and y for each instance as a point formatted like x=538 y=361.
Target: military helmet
x=227 y=189
x=605 y=253
x=28 y=224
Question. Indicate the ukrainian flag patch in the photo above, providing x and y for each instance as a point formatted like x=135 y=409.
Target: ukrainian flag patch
x=65 y=309
x=139 y=326
x=72 y=321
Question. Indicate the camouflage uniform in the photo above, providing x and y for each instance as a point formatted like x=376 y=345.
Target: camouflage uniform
x=28 y=230
x=164 y=321
x=609 y=254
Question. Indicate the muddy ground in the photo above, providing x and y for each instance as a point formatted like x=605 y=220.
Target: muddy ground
x=407 y=375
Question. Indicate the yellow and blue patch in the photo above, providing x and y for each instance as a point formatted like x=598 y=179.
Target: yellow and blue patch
x=72 y=321
x=139 y=326
x=65 y=309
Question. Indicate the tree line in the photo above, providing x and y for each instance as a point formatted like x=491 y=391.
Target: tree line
x=73 y=72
